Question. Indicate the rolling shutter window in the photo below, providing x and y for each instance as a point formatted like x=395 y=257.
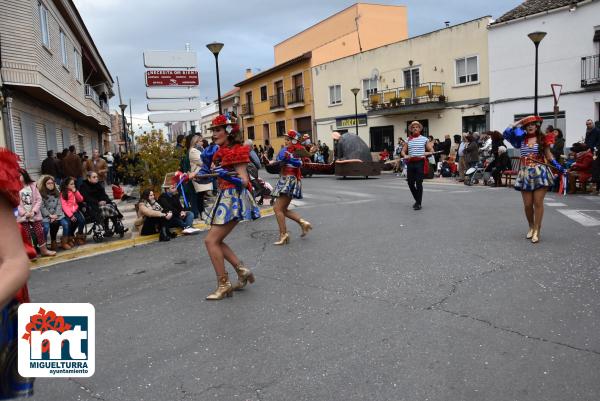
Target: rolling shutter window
x=94 y=143
x=59 y=141
x=19 y=139
x=66 y=136
x=30 y=143
x=40 y=132
x=51 y=137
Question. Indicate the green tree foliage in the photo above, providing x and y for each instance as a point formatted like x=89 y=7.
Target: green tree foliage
x=156 y=157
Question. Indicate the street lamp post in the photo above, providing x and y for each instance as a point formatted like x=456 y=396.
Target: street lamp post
x=536 y=38
x=355 y=92
x=123 y=106
x=215 y=48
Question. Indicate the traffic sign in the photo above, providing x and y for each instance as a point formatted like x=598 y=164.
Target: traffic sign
x=172 y=78
x=170 y=59
x=556 y=89
x=174 y=105
x=172 y=93
x=172 y=117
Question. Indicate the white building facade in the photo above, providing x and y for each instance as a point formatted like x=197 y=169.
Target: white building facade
x=568 y=55
x=439 y=78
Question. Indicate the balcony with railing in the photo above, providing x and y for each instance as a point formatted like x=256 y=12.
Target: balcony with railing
x=426 y=96
x=295 y=97
x=277 y=102
x=97 y=107
x=590 y=71
x=90 y=93
x=247 y=110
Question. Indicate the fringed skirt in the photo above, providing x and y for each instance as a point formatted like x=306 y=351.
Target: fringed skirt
x=12 y=385
x=531 y=178
x=288 y=185
x=233 y=205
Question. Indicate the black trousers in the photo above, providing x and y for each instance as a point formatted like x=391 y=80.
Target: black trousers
x=414 y=175
x=152 y=225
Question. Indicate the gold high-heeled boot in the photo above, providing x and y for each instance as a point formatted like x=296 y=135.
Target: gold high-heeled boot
x=306 y=227
x=245 y=275
x=224 y=289
x=535 y=237
x=530 y=232
x=284 y=238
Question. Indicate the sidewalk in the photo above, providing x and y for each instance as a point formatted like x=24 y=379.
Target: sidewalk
x=131 y=239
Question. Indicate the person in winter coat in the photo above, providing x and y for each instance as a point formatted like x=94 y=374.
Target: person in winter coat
x=152 y=218
x=72 y=166
x=194 y=153
x=69 y=200
x=53 y=215
x=29 y=213
x=98 y=201
x=471 y=152
x=581 y=170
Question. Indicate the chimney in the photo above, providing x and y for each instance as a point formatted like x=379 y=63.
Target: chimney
x=248 y=73
x=447 y=23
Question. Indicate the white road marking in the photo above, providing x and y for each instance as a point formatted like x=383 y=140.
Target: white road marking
x=583 y=217
x=555 y=204
x=350 y=193
x=592 y=198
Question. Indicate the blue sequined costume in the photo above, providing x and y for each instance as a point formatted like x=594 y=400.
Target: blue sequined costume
x=531 y=175
x=234 y=203
x=290 y=180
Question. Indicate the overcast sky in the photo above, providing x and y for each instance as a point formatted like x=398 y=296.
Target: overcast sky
x=122 y=30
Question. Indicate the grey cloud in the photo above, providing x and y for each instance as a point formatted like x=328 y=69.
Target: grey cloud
x=249 y=29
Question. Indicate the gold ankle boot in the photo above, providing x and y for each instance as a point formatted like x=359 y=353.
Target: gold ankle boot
x=284 y=238
x=530 y=232
x=224 y=289
x=245 y=275
x=535 y=238
x=306 y=227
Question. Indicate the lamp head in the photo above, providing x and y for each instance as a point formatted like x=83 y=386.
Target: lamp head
x=355 y=91
x=536 y=37
x=122 y=107
x=215 y=47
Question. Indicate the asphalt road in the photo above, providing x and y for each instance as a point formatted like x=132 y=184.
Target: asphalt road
x=378 y=302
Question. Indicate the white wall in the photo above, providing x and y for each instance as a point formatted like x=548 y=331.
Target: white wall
x=512 y=58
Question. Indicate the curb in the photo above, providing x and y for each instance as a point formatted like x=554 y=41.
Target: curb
x=112 y=246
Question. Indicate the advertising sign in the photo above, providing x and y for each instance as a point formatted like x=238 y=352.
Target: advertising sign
x=349 y=122
x=172 y=78
x=171 y=93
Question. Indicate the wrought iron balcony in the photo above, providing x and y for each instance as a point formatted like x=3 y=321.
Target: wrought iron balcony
x=277 y=102
x=425 y=96
x=295 y=97
x=247 y=110
x=590 y=71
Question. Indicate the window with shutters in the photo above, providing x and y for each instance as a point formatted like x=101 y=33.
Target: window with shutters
x=250 y=132
x=77 y=63
x=44 y=25
x=467 y=70
x=335 y=95
x=369 y=87
x=63 y=49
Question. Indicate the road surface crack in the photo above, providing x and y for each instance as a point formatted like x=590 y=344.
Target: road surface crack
x=512 y=331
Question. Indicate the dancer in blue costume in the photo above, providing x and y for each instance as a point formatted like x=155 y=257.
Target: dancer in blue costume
x=289 y=186
x=535 y=176
x=234 y=203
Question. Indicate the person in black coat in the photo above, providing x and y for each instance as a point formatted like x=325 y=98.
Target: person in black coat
x=184 y=219
x=501 y=163
x=50 y=165
x=98 y=202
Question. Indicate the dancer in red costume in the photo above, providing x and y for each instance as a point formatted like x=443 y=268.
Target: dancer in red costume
x=289 y=186
x=14 y=271
x=234 y=203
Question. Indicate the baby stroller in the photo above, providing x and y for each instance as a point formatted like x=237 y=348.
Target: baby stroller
x=260 y=187
x=478 y=172
x=102 y=227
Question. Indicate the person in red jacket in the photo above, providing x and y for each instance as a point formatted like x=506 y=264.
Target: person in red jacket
x=581 y=170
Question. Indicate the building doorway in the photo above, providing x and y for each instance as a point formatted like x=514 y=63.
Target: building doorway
x=474 y=124
x=382 y=138
x=304 y=125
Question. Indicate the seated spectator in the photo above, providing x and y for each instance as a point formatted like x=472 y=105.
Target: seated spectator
x=581 y=170
x=53 y=216
x=169 y=201
x=98 y=201
x=69 y=201
x=500 y=164
x=119 y=192
x=29 y=213
x=384 y=155
x=152 y=218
